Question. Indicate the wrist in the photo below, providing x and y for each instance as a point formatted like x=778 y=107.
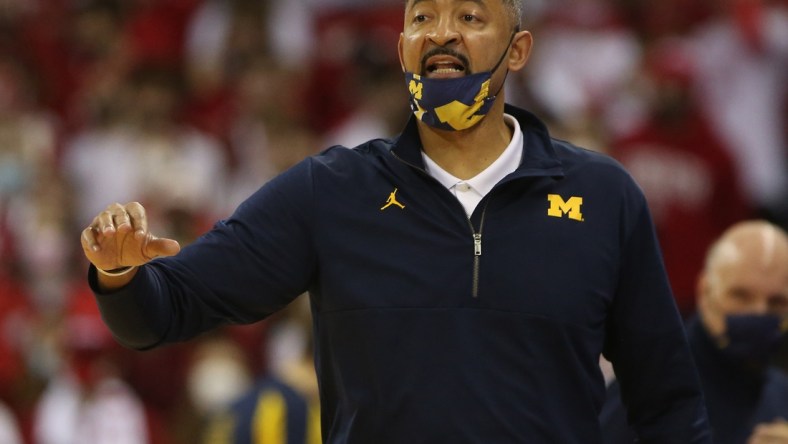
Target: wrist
x=115 y=272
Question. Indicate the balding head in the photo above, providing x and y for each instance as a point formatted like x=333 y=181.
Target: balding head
x=746 y=272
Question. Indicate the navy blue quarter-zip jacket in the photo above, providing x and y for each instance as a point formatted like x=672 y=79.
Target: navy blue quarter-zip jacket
x=433 y=328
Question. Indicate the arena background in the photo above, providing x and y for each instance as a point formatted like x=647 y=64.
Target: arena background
x=190 y=105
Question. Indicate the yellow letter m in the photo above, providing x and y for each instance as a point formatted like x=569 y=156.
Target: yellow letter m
x=416 y=88
x=559 y=207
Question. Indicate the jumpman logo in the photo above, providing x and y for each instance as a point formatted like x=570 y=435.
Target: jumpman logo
x=392 y=200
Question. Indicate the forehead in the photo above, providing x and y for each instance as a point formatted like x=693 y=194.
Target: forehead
x=757 y=277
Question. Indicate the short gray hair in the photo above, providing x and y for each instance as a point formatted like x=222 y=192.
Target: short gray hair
x=515 y=8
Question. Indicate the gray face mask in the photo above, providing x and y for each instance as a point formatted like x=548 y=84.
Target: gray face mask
x=753 y=338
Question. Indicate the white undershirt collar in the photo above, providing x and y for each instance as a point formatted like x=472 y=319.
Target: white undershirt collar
x=470 y=192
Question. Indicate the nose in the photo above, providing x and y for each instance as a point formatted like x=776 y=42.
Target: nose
x=444 y=32
x=761 y=307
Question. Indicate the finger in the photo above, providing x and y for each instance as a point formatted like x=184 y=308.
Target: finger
x=121 y=219
x=138 y=219
x=89 y=241
x=160 y=247
x=105 y=222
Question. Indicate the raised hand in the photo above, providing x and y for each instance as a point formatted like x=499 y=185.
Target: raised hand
x=119 y=238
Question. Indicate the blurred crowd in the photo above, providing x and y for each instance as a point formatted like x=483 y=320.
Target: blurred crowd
x=188 y=106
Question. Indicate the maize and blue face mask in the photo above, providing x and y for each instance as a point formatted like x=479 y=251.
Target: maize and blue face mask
x=452 y=104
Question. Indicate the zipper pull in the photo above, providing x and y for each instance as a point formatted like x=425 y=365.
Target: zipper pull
x=477 y=244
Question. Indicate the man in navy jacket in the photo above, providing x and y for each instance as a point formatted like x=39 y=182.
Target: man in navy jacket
x=464 y=277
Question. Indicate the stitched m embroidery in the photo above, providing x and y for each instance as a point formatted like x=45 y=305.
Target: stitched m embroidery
x=560 y=207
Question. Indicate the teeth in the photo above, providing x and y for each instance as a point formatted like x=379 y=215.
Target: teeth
x=446 y=70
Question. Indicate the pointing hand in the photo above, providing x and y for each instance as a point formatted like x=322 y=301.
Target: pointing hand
x=118 y=237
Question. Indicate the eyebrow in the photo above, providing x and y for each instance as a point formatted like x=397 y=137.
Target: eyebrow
x=416 y=2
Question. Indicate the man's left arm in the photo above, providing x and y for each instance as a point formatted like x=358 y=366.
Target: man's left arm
x=647 y=345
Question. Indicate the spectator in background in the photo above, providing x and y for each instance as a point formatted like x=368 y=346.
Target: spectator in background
x=654 y=20
x=742 y=315
x=15 y=314
x=283 y=405
x=379 y=105
x=30 y=181
x=9 y=428
x=15 y=325
x=223 y=38
x=28 y=133
x=302 y=32
x=269 y=132
x=78 y=52
x=107 y=137
x=143 y=132
x=742 y=68
x=156 y=30
x=218 y=374
x=87 y=400
x=691 y=182
x=586 y=56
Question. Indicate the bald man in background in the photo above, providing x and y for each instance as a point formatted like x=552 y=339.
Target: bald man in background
x=742 y=316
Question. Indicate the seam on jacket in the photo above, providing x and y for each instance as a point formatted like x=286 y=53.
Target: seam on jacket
x=468 y=309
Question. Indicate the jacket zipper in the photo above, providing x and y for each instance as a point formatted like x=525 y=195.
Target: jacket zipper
x=477 y=235
x=477 y=252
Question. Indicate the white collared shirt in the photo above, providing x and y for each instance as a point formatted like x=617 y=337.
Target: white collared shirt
x=470 y=192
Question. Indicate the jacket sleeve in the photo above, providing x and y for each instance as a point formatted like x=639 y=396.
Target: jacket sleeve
x=244 y=269
x=647 y=344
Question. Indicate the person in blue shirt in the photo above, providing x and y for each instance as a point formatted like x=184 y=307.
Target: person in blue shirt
x=282 y=406
x=272 y=412
x=475 y=308
x=742 y=318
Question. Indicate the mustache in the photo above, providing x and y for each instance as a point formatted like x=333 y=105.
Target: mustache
x=442 y=50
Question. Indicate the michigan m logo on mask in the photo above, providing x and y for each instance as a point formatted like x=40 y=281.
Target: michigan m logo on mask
x=570 y=208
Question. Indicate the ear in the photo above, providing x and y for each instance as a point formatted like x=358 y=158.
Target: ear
x=710 y=316
x=399 y=51
x=521 y=49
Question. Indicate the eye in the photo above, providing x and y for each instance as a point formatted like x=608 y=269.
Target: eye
x=740 y=295
x=419 y=18
x=778 y=302
x=469 y=18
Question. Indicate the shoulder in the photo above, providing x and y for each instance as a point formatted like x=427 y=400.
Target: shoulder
x=341 y=154
x=343 y=164
x=576 y=157
x=596 y=172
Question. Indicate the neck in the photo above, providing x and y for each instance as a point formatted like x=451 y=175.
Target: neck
x=464 y=154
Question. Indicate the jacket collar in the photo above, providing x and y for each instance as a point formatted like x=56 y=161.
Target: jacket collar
x=539 y=156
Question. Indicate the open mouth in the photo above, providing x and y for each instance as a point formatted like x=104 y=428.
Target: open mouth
x=444 y=66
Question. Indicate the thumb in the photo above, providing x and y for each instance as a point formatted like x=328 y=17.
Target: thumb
x=161 y=247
